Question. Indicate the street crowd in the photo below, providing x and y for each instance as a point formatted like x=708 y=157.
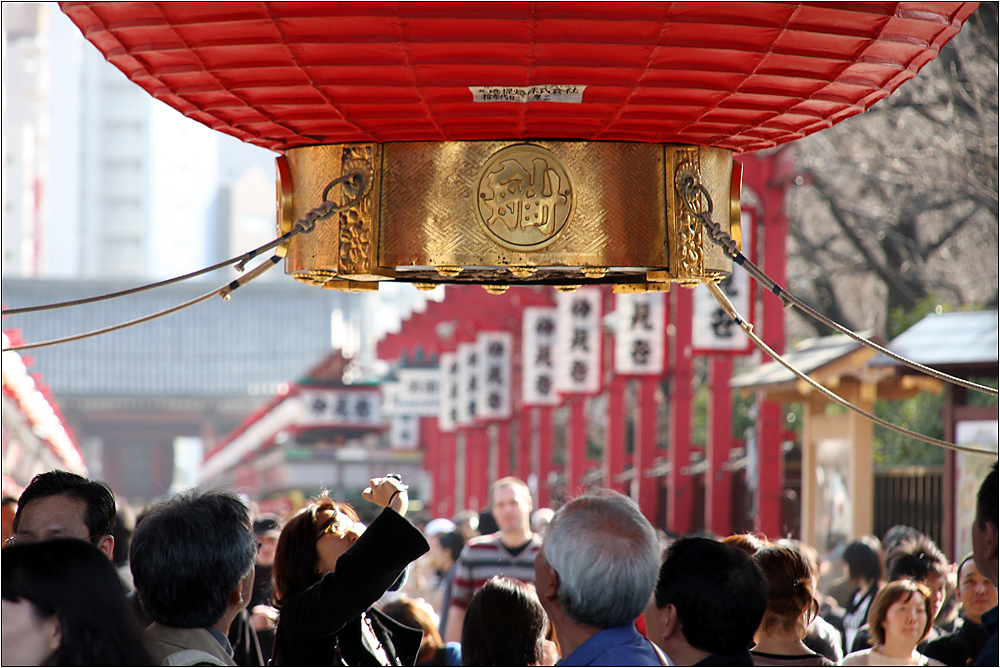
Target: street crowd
x=200 y=579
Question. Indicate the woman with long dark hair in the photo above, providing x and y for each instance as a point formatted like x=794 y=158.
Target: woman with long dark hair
x=64 y=605
x=329 y=570
x=504 y=626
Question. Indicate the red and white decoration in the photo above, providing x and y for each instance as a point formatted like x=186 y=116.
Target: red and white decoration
x=448 y=413
x=640 y=333
x=494 y=356
x=711 y=329
x=538 y=354
x=578 y=336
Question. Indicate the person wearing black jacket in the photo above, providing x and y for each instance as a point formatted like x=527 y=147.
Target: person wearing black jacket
x=329 y=571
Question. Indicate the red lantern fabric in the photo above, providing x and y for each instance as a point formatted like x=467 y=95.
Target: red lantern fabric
x=741 y=76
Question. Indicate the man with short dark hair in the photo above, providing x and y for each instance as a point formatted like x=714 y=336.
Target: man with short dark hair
x=708 y=603
x=192 y=560
x=594 y=576
x=984 y=551
x=510 y=551
x=60 y=504
x=977 y=595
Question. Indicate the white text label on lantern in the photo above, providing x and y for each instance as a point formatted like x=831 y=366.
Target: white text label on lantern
x=525 y=94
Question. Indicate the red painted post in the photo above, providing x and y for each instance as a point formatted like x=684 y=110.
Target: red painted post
x=525 y=441
x=430 y=443
x=473 y=466
x=614 y=454
x=645 y=447
x=545 y=468
x=503 y=450
x=446 y=505
x=680 y=489
x=481 y=474
x=719 y=482
x=576 y=447
x=770 y=180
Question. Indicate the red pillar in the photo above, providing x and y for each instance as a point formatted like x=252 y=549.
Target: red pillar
x=446 y=505
x=614 y=453
x=545 y=467
x=525 y=441
x=645 y=447
x=473 y=465
x=576 y=447
x=680 y=490
x=719 y=482
x=480 y=474
x=770 y=180
x=503 y=450
x=430 y=441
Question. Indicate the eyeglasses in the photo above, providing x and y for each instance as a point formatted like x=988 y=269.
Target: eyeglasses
x=340 y=525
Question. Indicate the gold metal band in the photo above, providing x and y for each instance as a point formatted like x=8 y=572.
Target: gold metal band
x=502 y=213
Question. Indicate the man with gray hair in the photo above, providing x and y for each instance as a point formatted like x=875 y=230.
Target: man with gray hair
x=594 y=576
x=192 y=560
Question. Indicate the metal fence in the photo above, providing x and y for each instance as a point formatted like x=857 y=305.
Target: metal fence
x=910 y=495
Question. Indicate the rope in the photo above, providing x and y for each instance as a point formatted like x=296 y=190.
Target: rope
x=356 y=180
x=728 y=307
x=225 y=291
x=722 y=238
x=241 y=259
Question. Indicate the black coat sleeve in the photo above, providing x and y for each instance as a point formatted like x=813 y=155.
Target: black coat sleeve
x=363 y=574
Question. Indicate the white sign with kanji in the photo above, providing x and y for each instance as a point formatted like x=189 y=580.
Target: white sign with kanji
x=639 y=333
x=578 y=336
x=448 y=413
x=711 y=329
x=494 y=369
x=416 y=392
x=404 y=432
x=538 y=355
x=331 y=408
x=468 y=384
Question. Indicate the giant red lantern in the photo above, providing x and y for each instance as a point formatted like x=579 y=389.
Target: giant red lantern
x=461 y=117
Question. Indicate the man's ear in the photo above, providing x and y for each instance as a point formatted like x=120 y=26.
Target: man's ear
x=551 y=585
x=240 y=596
x=53 y=632
x=107 y=546
x=990 y=539
x=671 y=621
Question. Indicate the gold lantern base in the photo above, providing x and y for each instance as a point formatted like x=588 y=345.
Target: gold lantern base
x=502 y=213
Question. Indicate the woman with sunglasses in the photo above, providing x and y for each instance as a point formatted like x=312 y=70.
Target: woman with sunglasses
x=328 y=572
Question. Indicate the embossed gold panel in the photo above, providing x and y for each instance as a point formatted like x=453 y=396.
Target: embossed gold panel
x=506 y=212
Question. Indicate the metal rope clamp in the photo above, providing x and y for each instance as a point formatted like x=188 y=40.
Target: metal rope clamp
x=502 y=213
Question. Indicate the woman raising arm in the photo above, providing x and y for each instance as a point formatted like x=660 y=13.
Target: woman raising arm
x=328 y=572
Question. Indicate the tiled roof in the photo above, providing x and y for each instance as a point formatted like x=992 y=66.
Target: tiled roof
x=265 y=335
x=968 y=337
x=807 y=356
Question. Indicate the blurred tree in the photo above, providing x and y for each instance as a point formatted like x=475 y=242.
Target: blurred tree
x=901 y=202
x=922 y=414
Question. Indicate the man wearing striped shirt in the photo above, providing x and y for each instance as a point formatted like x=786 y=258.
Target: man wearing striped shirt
x=508 y=552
